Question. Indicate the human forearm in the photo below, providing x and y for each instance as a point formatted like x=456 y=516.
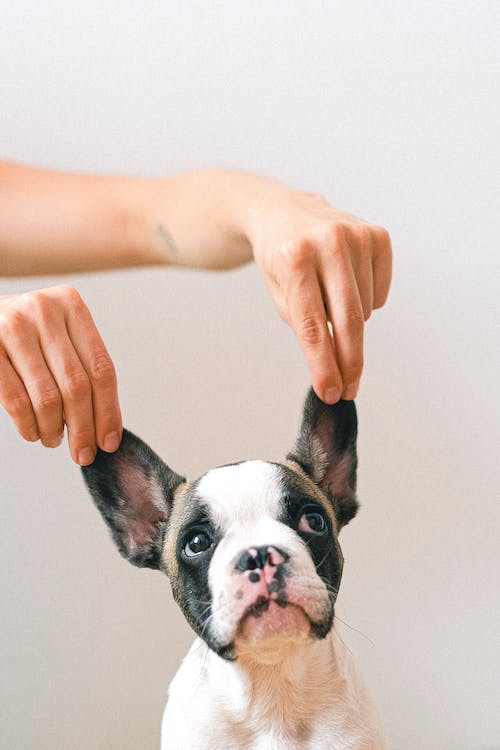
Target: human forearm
x=58 y=222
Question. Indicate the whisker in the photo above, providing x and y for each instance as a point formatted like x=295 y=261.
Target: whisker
x=355 y=629
x=323 y=559
x=195 y=651
x=346 y=646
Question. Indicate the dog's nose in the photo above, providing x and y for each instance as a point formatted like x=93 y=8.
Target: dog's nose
x=259 y=557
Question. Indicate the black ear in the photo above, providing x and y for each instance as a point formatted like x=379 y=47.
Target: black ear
x=133 y=490
x=326 y=451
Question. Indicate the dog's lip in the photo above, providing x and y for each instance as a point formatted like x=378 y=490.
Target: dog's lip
x=263 y=604
x=273 y=620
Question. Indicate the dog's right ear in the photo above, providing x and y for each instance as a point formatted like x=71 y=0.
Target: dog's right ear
x=133 y=489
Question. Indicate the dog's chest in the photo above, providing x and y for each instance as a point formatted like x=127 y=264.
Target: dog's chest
x=213 y=707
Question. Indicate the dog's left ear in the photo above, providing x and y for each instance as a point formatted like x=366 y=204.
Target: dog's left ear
x=326 y=451
x=133 y=489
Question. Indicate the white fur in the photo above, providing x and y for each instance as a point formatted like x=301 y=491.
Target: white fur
x=218 y=705
x=240 y=493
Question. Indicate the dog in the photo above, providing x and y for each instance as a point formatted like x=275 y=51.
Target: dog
x=252 y=554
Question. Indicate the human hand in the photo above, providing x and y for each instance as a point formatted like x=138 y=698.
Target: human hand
x=326 y=271
x=55 y=370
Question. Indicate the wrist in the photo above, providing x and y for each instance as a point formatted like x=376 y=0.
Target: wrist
x=136 y=214
x=255 y=200
x=189 y=219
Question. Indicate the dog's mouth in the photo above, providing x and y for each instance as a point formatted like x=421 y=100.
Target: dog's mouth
x=273 y=623
x=274 y=618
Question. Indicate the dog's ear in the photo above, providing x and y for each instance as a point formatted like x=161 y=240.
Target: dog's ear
x=326 y=451
x=133 y=490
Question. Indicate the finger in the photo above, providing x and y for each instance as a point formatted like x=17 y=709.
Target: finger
x=100 y=370
x=381 y=266
x=347 y=318
x=279 y=300
x=27 y=359
x=361 y=259
x=308 y=320
x=15 y=400
x=75 y=390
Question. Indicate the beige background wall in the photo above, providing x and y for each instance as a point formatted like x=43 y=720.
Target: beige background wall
x=390 y=111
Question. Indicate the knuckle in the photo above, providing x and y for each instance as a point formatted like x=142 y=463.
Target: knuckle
x=71 y=297
x=383 y=246
x=334 y=236
x=382 y=236
x=352 y=370
x=27 y=300
x=47 y=400
x=81 y=437
x=39 y=306
x=17 y=404
x=35 y=304
x=313 y=196
x=13 y=322
x=102 y=370
x=76 y=386
x=363 y=235
x=299 y=254
x=69 y=292
x=310 y=330
x=353 y=318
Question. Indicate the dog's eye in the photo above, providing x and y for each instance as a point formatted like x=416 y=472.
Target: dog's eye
x=312 y=522
x=198 y=543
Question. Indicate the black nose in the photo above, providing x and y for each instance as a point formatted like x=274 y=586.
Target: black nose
x=258 y=557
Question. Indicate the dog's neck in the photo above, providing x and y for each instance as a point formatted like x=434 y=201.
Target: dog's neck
x=284 y=683
x=281 y=680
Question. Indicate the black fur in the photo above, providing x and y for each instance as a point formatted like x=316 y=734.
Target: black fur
x=190 y=588
x=323 y=548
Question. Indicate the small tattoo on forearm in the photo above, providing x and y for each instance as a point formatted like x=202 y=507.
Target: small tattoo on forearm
x=167 y=239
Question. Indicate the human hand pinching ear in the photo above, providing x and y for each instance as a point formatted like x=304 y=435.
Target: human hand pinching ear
x=55 y=371
x=323 y=266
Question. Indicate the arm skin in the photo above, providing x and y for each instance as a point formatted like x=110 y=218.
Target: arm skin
x=56 y=222
x=325 y=270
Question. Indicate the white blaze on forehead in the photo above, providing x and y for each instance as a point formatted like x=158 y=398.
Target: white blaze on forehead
x=242 y=492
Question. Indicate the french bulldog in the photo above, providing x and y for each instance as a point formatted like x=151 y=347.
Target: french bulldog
x=252 y=554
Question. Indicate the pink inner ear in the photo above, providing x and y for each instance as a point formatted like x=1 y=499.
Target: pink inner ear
x=143 y=505
x=325 y=433
x=337 y=475
x=338 y=469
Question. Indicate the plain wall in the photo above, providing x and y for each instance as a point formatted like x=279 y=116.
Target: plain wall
x=391 y=111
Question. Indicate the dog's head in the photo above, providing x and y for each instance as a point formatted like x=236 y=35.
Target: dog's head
x=250 y=549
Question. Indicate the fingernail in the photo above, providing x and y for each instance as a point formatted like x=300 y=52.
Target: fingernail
x=351 y=391
x=34 y=437
x=111 y=442
x=55 y=443
x=332 y=395
x=86 y=456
